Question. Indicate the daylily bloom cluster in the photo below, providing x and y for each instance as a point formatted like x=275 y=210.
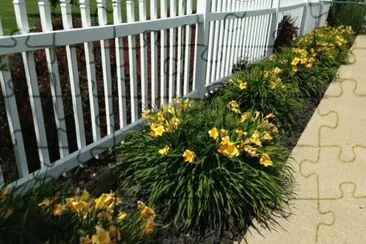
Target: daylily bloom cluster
x=241 y=84
x=237 y=142
x=167 y=119
x=325 y=40
x=274 y=77
x=303 y=58
x=104 y=213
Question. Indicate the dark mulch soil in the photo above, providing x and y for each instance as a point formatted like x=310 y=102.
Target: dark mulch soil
x=291 y=140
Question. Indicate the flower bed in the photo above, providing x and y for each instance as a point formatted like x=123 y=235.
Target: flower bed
x=220 y=164
x=211 y=166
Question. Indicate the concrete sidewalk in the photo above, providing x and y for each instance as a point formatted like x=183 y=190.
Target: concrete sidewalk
x=330 y=164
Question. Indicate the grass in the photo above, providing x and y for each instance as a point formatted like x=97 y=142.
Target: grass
x=7 y=14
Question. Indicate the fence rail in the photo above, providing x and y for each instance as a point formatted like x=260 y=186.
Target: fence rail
x=172 y=49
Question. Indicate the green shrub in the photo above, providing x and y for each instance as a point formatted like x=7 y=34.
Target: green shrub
x=351 y=14
x=211 y=167
x=256 y=89
x=280 y=83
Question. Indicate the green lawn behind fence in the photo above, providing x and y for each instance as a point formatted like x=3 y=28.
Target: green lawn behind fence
x=9 y=23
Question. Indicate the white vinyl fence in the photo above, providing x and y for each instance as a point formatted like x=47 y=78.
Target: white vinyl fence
x=173 y=48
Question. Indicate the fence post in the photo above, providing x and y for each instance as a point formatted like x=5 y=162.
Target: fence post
x=303 y=17
x=319 y=17
x=273 y=27
x=202 y=32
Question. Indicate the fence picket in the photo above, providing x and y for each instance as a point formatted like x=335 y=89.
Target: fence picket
x=210 y=46
x=163 y=51
x=54 y=76
x=180 y=52
x=120 y=66
x=220 y=57
x=106 y=66
x=225 y=41
x=230 y=40
x=234 y=57
x=73 y=76
x=216 y=45
x=32 y=83
x=12 y=116
x=154 y=54
x=187 y=52
x=132 y=61
x=172 y=49
x=143 y=57
x=90 y=71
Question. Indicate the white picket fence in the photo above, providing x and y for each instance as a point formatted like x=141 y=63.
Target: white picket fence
x=213 y=39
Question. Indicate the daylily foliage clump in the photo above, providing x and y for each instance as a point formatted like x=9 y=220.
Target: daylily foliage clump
x=200 y=174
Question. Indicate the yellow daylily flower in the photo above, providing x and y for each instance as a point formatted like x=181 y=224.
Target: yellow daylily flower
x=234 y=106
x=255 y=139
x=295 y=61
x=189 y=156
x=164 y=151
x=171 y=110
x=58 y=210
x=269 y=116
x=156 y=130
x=101 y=237
x=272 y=85
x=240 y=133
x=243 y=85
x=267 y=136
x=176 y=122
x=265 y=160
x=245 y=116
x=228 y=148
x=161 y=117
x=252 y=151
x=121 y=216
x=214 y=133
x=277 y=71
x=303 y=60
x=149 y=227
x=45 y=203
x=80 y=207
x=148 y=212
